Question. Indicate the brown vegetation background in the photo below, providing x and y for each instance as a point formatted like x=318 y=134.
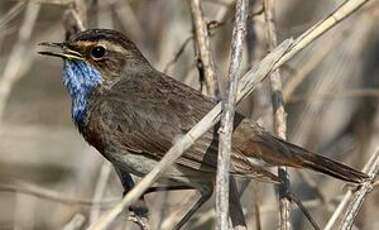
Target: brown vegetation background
x=50 y=178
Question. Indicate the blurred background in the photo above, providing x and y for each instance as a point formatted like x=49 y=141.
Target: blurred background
x=51 y=179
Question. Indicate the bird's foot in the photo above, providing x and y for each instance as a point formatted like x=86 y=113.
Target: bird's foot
x=139 y=208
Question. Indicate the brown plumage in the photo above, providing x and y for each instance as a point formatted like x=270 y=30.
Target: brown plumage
x=136 y=113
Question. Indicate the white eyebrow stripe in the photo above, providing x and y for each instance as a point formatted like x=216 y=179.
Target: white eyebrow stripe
x=111 y=46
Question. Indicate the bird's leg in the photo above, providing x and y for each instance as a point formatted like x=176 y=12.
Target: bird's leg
x=139 y=208
x=205 y=193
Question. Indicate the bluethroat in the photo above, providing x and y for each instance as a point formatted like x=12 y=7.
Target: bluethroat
x=132 y=113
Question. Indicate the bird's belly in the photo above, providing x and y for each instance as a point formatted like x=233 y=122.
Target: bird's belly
x=140 y=165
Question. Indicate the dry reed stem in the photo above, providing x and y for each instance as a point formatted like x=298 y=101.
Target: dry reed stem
x=227 y=119
x=279 y=116
x=204 y=58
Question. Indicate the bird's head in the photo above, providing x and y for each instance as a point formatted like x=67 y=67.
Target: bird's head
x=107 y=51
x=93 y=58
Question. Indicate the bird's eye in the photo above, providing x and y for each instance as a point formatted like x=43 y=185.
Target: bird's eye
x=98 y=52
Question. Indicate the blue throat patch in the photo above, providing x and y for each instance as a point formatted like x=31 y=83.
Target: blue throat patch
x=80 y=79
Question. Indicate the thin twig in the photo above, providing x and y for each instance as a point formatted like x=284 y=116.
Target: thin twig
x=227 y=117
x=280 y=117
x=360 y=195
x=371 y=167
x=204 y=59
x=211 y=27
x=271 y=62
x=48 y=194
x=178 y=54
x=304 y=210
x=264 y=210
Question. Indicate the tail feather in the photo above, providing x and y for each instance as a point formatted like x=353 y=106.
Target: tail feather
x=294 y=156
x=333 y=168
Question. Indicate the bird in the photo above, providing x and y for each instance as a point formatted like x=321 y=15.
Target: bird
x=132 y=114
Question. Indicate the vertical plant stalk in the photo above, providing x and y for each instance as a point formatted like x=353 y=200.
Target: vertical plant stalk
x=227 y=117
x=280 y=120
x=204 y=58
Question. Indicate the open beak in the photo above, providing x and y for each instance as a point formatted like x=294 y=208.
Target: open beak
x=64 y=51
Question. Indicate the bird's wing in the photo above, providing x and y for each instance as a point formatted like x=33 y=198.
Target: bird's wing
x=148 y=113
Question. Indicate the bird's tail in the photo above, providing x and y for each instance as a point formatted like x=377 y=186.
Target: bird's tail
x=333 y=168
x=294 y=156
